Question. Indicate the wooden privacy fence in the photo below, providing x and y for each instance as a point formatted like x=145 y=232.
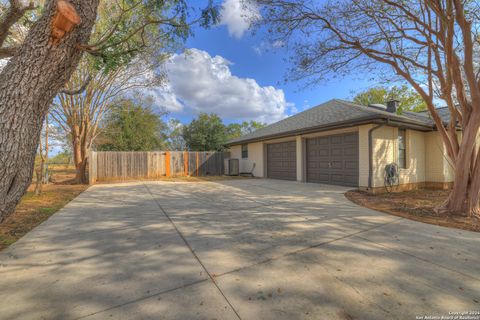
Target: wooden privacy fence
x=113 y=165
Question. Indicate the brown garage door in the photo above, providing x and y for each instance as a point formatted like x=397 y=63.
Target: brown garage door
x=333 y=160
x=282 y=160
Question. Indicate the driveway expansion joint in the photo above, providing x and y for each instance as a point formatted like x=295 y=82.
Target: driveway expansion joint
x=192 y=251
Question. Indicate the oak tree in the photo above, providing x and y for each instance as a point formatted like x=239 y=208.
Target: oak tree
x=133 y=126
x=42 y=63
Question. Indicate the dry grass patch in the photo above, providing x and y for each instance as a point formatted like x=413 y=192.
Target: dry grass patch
x=415 y=205
x=33 y=210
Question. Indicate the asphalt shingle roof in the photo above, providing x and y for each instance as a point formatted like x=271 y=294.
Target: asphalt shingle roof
x=443 y=112
x=330 y=113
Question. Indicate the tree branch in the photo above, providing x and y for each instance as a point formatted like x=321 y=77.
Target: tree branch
x=7 y=52
x=14 y=13
x=79 y=90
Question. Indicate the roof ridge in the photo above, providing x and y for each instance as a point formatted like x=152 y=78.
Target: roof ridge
x=294 y=115
x=331 y=112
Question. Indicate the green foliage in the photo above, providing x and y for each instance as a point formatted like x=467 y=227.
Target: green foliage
x=124 y=30
x=206 y=133
x=132 y=127
x=236 y=130
x=409 y=99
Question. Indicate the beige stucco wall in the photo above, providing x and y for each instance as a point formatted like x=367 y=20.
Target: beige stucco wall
x=415 y=171
x=300 y=144
x=256 y=154
x=236 y=152
x=438 y=168
x=385 y=151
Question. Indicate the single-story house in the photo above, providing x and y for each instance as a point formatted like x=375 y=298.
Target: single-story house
x=342 y=143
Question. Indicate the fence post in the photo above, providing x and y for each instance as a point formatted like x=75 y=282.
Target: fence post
x=91 y=168
x=185 y=163
x=167 y=164
x=196 y=166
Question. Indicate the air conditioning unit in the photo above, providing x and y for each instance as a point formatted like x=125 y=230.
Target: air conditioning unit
x=232 y=167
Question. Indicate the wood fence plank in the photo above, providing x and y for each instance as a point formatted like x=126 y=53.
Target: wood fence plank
x=111 y=165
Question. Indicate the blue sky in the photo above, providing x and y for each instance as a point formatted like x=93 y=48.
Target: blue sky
x=240 y=55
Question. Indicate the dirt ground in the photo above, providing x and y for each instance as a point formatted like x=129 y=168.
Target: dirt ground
x=416 y=205
x=33 y=210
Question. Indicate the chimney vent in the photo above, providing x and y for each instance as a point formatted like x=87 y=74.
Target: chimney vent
x=392 y=106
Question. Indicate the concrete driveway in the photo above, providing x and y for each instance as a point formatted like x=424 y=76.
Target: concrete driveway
x=237 y=249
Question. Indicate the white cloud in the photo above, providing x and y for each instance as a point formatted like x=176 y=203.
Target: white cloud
x=238 y=15
x=265 y=46
x=199 y=82
x=293 y=110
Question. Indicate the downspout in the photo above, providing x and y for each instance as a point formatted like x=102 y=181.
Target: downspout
x=370 y=153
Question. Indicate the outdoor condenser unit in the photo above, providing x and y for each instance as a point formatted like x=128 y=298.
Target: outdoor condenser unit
x=232 y=167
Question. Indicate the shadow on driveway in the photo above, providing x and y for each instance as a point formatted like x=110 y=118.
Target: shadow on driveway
x=248 y=249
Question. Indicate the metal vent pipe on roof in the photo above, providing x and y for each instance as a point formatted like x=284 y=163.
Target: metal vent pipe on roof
x=392 y=105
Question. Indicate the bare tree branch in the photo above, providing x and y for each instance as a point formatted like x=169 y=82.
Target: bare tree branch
x=79 y=90
x=14 y=12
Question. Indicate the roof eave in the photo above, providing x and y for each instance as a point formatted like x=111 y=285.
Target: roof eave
x=340 y=125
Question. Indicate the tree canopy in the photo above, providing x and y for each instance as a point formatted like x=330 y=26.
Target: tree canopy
x=206 y=133
x=409 y=99
x=130 y=126
x=236 y=130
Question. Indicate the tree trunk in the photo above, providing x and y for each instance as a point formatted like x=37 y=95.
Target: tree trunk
x=39 y=174
x=47 y=174
x=28 y=83
x=463 y=200
x=80 y=160
x=79 y=155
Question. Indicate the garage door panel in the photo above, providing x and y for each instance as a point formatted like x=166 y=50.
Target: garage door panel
x=337 y=152
x=323 y=164
x=350 y=138
x=351 y=165
x=351 y=152
x=323 y=153
x=337 y=178
x=333 y=159
x=282 y=160
x=336 y=165
x=336 y=140
x=351 y=181
x=322 y=141
x=322 y=178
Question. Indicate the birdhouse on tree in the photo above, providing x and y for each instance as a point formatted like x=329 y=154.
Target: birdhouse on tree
x=66 y=17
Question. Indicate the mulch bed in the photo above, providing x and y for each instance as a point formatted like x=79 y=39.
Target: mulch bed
x=415 y=205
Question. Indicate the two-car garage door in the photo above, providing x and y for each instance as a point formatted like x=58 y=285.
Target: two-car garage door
x=333 y=160
x=329 y=159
